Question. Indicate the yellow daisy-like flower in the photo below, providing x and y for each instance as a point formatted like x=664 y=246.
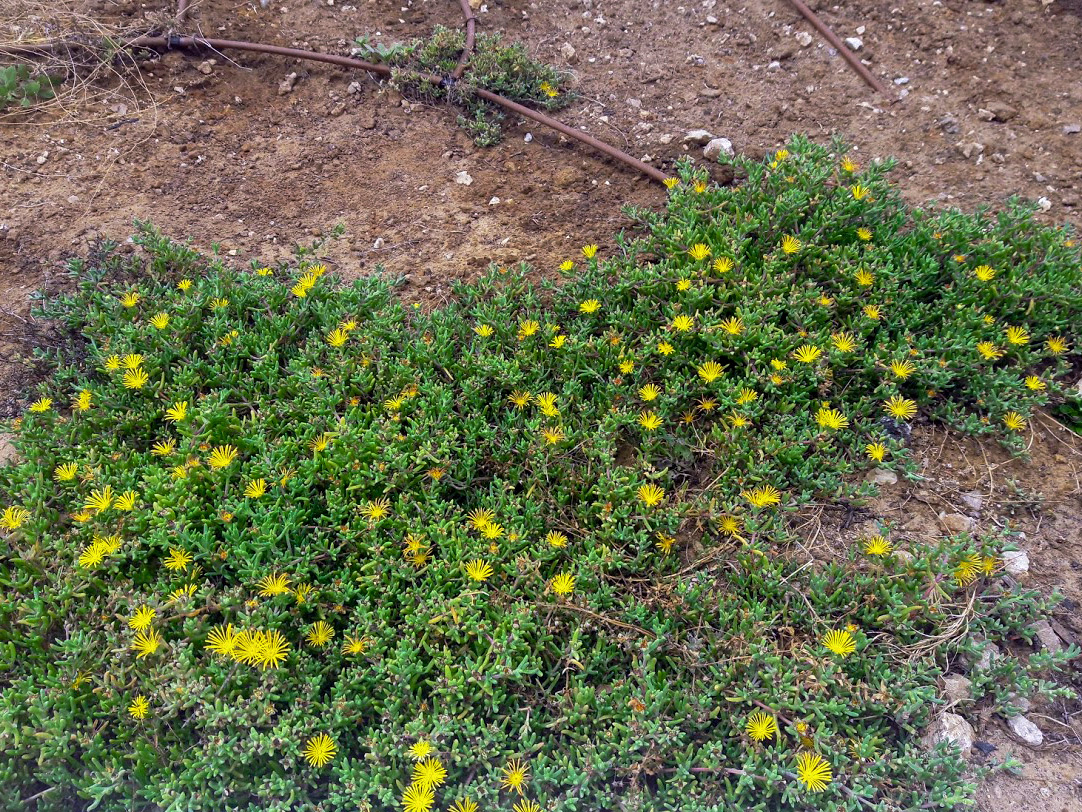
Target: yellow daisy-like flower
x=256 y=488
x=112 y=363
x=41 y=405
x=864 y=234
x=761 y=726
x=319 y=750
x=14 y=517
x=177 y=560
x=481 y=518
x=355 y=646
x=683 y=323
x=418 y=798
x=273 y=584
x=146 y=643
x=877 y=545
x=864 y=278
x=813 y=771
x=92 y=556
x=177 y=412
x=139 y=708
x=82 y=401
x=465 y=804
x=876 y=451
x=745 y=397
x=900 y=408
x=478 y=570
x=763 y=496
x=1014 y=421
x=132 y=361
x=302 y=593
x=127 y=500
x=683 y=285
x=429 y=773
x=989 y=351
x=589 y=251
x=222 y=456
x=649 y=392
x=841 y=642
x=665 y=543
x=420 y=750
x=553 y=436
x=526 y=805
x=665 y=348
x=848 y=165
x=859 y=192
x=831 y=419
x=627 y=367
x=130 y=299
x=844 y=342
x=710 y=371
x=273 y=649
x=790 y=245
x=734 y=326
x=160 y=320
x=179 y=472
x=1035 y=383
x=221 y=640
x=872 y=312
x=649 y=421
x=1056 y=345
x=321 y=442
x=337 y=337
x=826 y=301
x=699 y=251
x=184 y=285
x=984 y=273
x=516 y=775
x=163 y=448
x=699 y=187
x=902 y=369
x=546 y=402
x=483 y=330
x=264 y=271
x=99 y=500
x=320 y=634
x=650 y=494
x=671 y=183
x=730 y=526
x=376 y=509
x=807 y=353
x=527 y=328
x=66 y=472
x=723 y=265
x=1017 y=335
x=967 y=569
x=520 y=399
x=590 y=306
x=779 y=364
x=567 y=265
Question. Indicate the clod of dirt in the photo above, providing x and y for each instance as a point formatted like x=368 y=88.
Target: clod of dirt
x=997 y=111
x=206 y=67
x=950 y=727
x=1024 y=729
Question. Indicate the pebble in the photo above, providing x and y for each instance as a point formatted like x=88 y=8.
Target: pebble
x=1048 y=639
x=1016 y=562
x=957 y=688
x=855 y=43
x=206 y=67
x=567 y=51
x=881 y=476
x=717 y=147
x=902 y=80
x=984 y=660
x=957 y=522
x=973 y=500
x=354 y=88
x=1072 y=129
x=700 y=137
x=494 y=201
x=665 y=139
x=1024 y=729
x=950 y=727
x=463 y=178
x=1043 y=203
x=286 y=85
x=528 y=137
x=804 y=39
x=1001 y=111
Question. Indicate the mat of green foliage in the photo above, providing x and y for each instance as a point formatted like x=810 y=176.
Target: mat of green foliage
x=279 y=543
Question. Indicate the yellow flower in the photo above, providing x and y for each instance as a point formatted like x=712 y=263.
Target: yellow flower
x=112 y=362
x=790 y=245
x=319 y=750
x=256 y=488
x=840 y=642
x=671 y=183
x=320 y=633
x=665 y=543
x=900 y=408
x=420 y=750
x=807 y=353
x=520 y=399
x=483 y=330
x=683 y=285
x=738 y=421
x=665 y=348
x=321 y=442
x=146 y=643
x=710 y=371
x=41 y=405
x=273 y=584
x=864 y=234
x=492 y=530
x=864 y=278
x=515 y=776
x=813 y=771
x=848 y=165
x=650 y=495
x=391 y=405
x=177 y=412
x=902 y=369
x=699 y=187
x=627 y=367
x=1014 y=421
x=82 y=401
x=465 y=804
x=1056 y=345
x=872 y=312
x=778 y=364
x=1017 y=335
x=221 y=640
x=704 y=405
x=418 y=798
x=858 y=192
x=589 y=251
x=988 y=350
x=478 y=570
x=831 y=419
x=92 y=556
x=222 y=456
x=763 y=496
x=590 y=306
x=844 y=342
x=734 y=326
x=745 y=397
x=99 y=500
x=179 y=472
x=546 y=402
x=877 y=545
x=355 y=646
x=481 y=518
x=555 y=538
x=130 y=299
x=649 y=420
x=553 y=436
x=337 y=337
x=876 y=451
x=163 y=448
x=376 y=509
x=139 y=708
x=699 y=251
x=730 y=526
x=984 y=273
x=1035 y=383
x=649 y=392
x=126 y=500
x=761 y=726
x=273 y=649
x=160 y=320
x=723 y=265
x=683 y=323
x=967 y=569
x=429 y=773
x=264 y=271
x=184 y=285
x=135 y=379
x=526 y=805
x=65 y=472
x=527 y=328
x=177 y=559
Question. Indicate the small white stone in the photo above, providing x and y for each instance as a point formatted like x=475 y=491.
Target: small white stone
x=861 y=29
x=567 y=51
x=700 y=137
x=804 y=39
x=855 y=43
x=1024 y=729
x=464 y=178
x=665 y=139
x=494 y=201
x=1044 y=203
x=1016 y=562
x=528 y=137
x=378 y=243
x=950 y=727
x=717 y=147
x=1048 y=638
x=957 y=688
x=902 y=80
x=881 y=476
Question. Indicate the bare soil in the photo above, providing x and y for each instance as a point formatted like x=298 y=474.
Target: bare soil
x=216 y=153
